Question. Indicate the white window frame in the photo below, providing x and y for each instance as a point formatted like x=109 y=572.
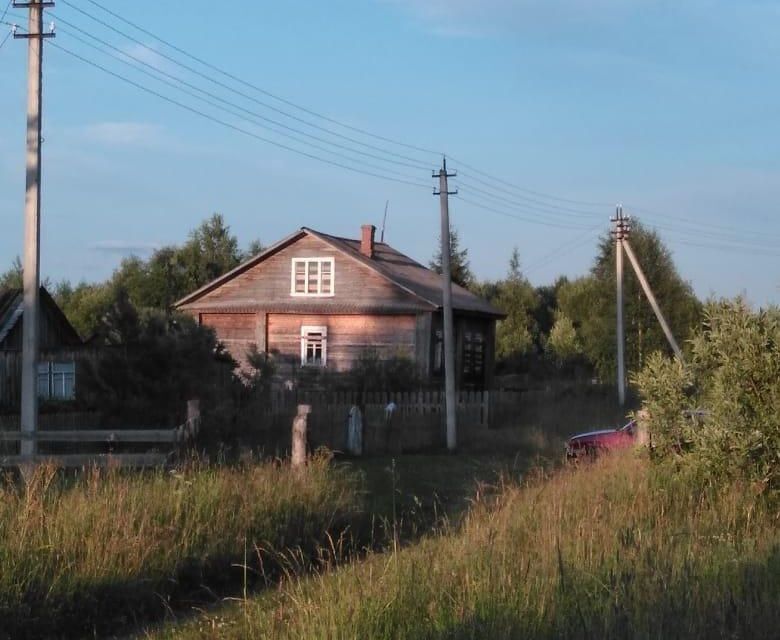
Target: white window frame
x=306 y=330
x=319 y=293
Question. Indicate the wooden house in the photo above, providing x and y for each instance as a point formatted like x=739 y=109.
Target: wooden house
x=317 y=300
x=60 y=346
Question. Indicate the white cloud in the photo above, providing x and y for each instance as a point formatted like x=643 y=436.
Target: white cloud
x=141 y=134
x=122 y=247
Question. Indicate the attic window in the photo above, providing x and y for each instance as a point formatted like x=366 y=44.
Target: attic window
x=312 y=277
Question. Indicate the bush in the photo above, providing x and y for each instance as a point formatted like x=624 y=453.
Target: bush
x=734 y=375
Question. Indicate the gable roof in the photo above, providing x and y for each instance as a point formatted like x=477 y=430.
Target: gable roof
x=11 y=311
x=389 y=263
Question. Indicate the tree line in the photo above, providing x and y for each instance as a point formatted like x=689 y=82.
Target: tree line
x=566 y=327
x=569 y=326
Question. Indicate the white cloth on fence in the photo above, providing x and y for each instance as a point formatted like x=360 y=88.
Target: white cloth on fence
x=355 y=431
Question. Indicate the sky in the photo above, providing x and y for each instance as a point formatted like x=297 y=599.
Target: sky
x=550 y=111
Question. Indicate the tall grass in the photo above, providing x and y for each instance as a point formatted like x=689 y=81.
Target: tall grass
x=97 y=551
x=614 y=550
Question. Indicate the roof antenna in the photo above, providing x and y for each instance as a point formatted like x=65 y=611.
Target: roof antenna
x=384 y=222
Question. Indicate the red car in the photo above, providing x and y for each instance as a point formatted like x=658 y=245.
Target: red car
x=594 y=442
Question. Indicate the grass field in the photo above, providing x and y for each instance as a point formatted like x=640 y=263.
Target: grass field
x=103 y=552
x=611 y=550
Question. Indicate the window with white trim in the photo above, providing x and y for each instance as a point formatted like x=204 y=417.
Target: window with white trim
x=314 y=346
x=312 y=277
x=57 y=380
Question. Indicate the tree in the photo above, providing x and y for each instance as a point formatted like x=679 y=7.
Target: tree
x=459 y=262
x=733 y=373
x=563 y=342
x=515 y=296
x=590 y=303
x=150 y=364
x=12 y=279
x=85 y=305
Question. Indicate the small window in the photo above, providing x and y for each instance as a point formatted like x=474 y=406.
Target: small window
x=314 y=346
x=312 y=277
x=57 y=380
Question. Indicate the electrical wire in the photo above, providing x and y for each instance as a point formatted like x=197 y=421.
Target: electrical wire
x=509 y=214
x=254 y=120
x=265 y=92
x=229 y=125
x=237 y=91
x=567 y=246
x=523 y=205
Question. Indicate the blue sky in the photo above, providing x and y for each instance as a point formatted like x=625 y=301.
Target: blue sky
x=669 y=107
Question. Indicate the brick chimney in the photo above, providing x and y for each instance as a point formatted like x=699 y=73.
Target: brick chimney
x=367 y=240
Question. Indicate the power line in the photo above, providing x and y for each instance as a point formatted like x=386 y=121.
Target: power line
x=229 y=125
x=567 y=246
x=523 y=205
x=7 y=7
x=514 y=216
x=235 y=105
x=256 y=88
x=237 y=91
x=530 y=191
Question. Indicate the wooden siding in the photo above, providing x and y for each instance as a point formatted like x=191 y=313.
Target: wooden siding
x=237 y=331
x=267 y=284
x=348 y=337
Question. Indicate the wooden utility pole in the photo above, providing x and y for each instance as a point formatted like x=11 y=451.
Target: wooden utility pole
x=449 y=328
x=651 y=299
x=32 y=221
x=621 y=228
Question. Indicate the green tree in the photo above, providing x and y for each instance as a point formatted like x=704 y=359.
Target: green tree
x=151 y=363
x=563 y=342
x=515 y=296
x=12 y=279
x=459 y=262
x=85 y=305
x=590 y=303
x=733 y=373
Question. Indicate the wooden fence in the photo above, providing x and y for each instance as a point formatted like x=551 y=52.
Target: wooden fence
x=58 y=442
x=418 y=422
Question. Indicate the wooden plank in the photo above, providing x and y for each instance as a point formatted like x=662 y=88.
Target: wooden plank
x=94 y=435
x=90 y=460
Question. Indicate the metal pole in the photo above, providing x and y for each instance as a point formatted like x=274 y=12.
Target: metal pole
x=651 y=298
x=32 y=230
x=449 y=329
x=621 y=340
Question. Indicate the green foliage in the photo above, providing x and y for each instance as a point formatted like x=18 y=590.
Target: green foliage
x=734 y=375
x=84 y=305
x=150 y=364
x=371 y=372
x=590 y=303
x=12 y=279
x=563 y=342
x=459 y=262
x=515 y=296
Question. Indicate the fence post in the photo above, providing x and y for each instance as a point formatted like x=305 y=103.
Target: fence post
x=299 y=429
x=193 y=417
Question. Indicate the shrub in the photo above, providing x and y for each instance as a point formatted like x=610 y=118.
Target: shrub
x=734 y=375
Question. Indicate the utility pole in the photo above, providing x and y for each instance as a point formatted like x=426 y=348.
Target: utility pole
x=32 y=220
x=449 y=329
x=620 y=232
x=651 y=299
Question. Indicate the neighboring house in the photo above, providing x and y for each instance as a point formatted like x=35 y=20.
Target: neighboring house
x=60 y=345
x=317 y=300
